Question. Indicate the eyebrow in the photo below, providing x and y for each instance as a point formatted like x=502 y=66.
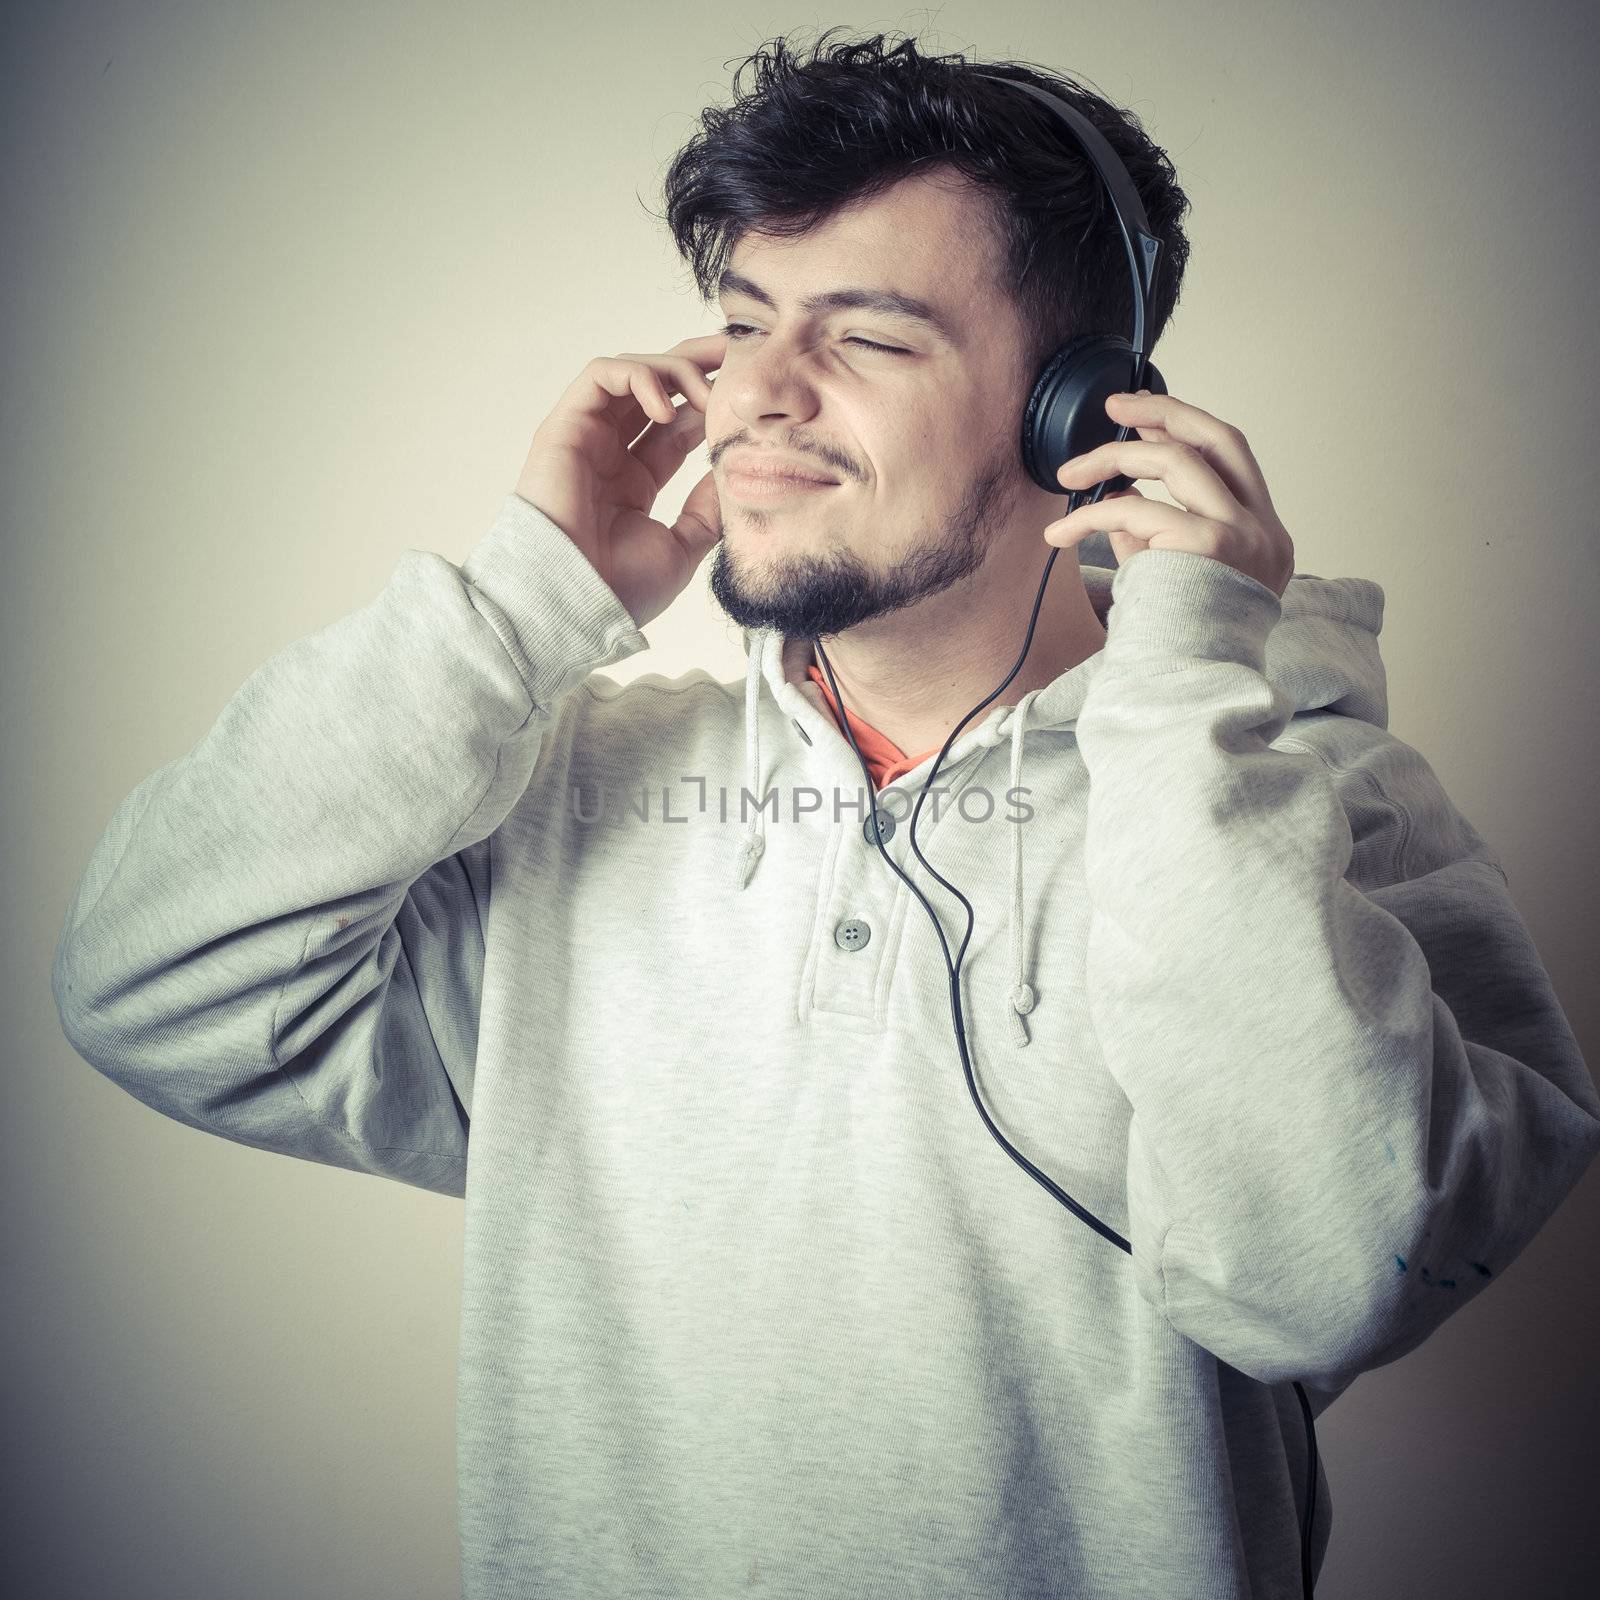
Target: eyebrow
x=886 y=302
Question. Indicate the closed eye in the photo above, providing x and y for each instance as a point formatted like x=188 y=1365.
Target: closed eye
x=737 y=330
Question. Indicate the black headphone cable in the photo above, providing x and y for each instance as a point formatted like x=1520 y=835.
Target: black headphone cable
x=954 y=971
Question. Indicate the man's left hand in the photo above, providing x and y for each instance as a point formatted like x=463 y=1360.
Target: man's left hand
x=1223 y=510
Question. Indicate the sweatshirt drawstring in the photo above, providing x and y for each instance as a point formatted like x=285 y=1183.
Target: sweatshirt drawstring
x=1022 y=997
x=753 y=841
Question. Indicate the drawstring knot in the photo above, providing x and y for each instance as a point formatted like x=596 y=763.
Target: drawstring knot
x=750 y=848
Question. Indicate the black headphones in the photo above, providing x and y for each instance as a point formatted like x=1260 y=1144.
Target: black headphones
x=1066 y=417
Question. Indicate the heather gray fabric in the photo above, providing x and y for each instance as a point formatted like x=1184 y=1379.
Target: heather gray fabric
x=752 y=1298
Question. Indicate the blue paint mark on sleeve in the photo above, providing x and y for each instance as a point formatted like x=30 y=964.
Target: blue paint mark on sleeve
x=1388 y=1149
x=1400 y=1261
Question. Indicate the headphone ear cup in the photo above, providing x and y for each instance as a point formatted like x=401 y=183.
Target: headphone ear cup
x=1066 y=413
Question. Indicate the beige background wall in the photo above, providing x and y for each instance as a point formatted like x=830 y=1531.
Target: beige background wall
x=287 y=288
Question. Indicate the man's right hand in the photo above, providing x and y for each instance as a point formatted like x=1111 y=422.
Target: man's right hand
x=596 y=476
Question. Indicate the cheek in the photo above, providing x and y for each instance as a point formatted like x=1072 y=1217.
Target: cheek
x=937 y=430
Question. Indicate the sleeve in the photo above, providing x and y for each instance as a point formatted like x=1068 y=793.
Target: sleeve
x=1355 y=1096
x=280 y=936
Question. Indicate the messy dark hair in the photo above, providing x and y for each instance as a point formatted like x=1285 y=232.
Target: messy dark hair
x=852 y=118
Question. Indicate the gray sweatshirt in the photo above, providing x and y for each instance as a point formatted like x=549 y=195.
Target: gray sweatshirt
x=752 y=1298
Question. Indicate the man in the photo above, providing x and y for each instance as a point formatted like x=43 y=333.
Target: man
x=752 y=1300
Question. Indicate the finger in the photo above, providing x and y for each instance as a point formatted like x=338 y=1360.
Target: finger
x=1140 y=518
x=1116 y=494
x=1220 y=443
x=699 y=524
x=1190 y=478
x=664 y=446
x=678 y=375
x=629 y=391
x=624 y=393
x=706 y=350
x=652 y=382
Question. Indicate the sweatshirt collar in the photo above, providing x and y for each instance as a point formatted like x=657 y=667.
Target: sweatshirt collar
x=1322 y=652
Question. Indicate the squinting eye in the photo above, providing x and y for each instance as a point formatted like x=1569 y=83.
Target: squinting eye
x=737 y=330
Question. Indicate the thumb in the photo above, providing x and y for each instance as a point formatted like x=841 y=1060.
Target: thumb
x=699 y=524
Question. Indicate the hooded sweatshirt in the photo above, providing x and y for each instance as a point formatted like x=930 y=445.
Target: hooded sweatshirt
x=752 y=1299
x=885 y=760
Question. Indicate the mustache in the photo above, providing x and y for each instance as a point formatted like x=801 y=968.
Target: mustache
x=824 y=461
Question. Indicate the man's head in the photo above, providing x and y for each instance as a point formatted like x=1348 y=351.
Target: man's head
x=862 y=168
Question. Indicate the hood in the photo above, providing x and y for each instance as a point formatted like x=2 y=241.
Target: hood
x=1322 y=653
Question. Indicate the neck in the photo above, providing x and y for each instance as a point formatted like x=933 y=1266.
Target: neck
x=913 y=674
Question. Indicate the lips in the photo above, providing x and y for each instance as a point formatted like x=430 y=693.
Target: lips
x=762 y=469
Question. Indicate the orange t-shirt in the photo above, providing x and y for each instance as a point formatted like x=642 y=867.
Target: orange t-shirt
x=885 y=761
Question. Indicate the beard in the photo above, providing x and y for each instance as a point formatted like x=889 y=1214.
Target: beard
x=812 y=596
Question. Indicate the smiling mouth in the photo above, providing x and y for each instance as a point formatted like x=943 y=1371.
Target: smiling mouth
x=767 y=485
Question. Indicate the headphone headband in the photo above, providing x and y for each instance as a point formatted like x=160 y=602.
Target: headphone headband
x=1142 y=247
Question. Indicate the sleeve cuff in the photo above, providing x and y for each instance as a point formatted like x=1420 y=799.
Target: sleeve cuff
x=1168 y=605
x=557 y=617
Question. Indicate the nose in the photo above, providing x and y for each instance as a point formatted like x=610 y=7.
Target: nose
x=766 y=379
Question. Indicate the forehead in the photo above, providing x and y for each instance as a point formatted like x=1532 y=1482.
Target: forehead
x=931 y=237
